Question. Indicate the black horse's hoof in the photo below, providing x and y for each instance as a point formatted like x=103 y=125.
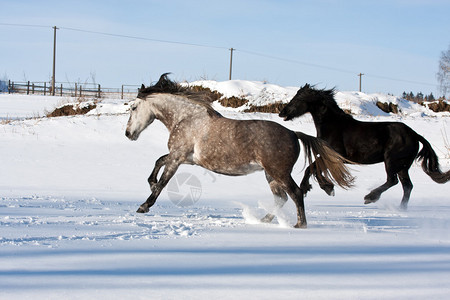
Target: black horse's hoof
x=328 y=188
x=371 y=198
x=142 y=210
x=330 y=192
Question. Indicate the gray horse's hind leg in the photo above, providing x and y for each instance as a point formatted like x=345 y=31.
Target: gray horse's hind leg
x=280 y=188
x=279 y=195
x=296 y=195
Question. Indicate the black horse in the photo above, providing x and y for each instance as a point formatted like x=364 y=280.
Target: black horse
x=393 y=143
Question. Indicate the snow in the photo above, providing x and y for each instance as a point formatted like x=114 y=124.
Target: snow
x=70 y=186
x=261 y=93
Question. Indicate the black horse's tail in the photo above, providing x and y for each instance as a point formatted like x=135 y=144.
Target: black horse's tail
x=430 y=162
x=330 y=165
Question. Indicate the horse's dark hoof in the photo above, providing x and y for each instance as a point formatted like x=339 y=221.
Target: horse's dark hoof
x=302 y=226
x=369 y=201
x=142 y=210
x=330 y=192
x=371 y=198
x=328 y=188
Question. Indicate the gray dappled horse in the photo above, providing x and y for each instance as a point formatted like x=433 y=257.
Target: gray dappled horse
x=199 y=135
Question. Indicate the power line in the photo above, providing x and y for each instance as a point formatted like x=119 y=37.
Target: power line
x=223 y=48
x=331 y=68
x=142 y=38
x=119 y=35
x=25 y=25
x=295 y=61
x=400 y=80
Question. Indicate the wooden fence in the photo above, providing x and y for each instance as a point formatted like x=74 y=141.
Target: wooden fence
x=126 y=91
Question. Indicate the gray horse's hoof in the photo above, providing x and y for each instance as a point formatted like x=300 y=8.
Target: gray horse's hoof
x=268 y=218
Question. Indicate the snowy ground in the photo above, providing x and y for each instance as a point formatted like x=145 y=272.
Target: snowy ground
x=69 y=188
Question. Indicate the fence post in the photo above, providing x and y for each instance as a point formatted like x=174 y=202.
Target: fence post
x=61 y=89
x=32 y=88
x=45 y=87
x=99 y=91
x=80 y=90
x=28 y=87
x=121 y=95
x=76 y=89
x=9 y=86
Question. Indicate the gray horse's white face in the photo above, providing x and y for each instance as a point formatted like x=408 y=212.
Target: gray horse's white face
x=141 y=115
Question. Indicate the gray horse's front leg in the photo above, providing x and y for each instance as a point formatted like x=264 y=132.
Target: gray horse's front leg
x=153 y=178
x=169 y=171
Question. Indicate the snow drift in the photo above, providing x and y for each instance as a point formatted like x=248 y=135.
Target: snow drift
x=69 y=188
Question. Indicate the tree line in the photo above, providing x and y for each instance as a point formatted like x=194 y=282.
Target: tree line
x=420 y=97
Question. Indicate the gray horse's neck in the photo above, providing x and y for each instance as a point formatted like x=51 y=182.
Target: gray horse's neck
x=171 y=111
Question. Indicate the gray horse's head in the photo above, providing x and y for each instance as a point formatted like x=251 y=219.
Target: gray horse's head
x=142 y=111
x=141 y=115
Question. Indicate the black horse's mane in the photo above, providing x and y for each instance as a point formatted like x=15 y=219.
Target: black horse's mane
x=327 y=98
x=167 y=86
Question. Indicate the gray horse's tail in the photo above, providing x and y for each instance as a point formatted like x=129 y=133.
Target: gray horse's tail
x=430 y=162
x=330 y=165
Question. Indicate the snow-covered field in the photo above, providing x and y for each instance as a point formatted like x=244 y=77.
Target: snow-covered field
x=70 y=186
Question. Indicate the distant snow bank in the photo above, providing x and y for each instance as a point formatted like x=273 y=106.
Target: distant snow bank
x=256 y=92
x=260 y=93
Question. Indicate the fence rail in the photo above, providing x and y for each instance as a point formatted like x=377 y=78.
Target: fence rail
x=126 y=91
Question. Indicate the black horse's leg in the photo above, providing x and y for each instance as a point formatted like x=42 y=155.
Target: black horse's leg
x=375 y=194
x=153 y=179
x=279 y=195
x=407 y=187
x=305 y=185
x=169 y=170
x=324 y=184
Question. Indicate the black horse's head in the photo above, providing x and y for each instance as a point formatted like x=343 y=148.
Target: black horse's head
x=299 y=104
x=307 y=99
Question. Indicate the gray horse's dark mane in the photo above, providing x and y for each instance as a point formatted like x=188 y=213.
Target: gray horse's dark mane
x=167 y=86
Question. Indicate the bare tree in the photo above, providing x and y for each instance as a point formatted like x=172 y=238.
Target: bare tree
x=443 y=74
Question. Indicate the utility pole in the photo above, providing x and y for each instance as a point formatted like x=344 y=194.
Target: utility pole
x=360 y=76
x=54 y=59
x=231 y=62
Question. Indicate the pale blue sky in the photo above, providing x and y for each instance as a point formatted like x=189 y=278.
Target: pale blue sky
x=396 y=43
